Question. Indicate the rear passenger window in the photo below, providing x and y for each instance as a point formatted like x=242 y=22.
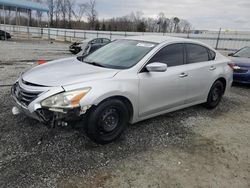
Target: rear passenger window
x=196 y=53
x=105 y=40
x=212 y=55
x=172 y=55
x=98 y=40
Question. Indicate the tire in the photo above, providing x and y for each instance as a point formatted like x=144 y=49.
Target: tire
x=2 y=37
x=107 y=121
x=215 y=95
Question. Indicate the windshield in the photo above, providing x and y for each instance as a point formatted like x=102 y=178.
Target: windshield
x=120 y=54
x=244 y=52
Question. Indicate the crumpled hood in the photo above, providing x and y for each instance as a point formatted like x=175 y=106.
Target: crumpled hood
x=243 y=62
x=65 y=72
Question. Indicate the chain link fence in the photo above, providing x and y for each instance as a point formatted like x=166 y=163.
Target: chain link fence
x=219 y=40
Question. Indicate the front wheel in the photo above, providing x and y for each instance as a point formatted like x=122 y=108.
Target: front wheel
x=215 y=95
x=107 y=121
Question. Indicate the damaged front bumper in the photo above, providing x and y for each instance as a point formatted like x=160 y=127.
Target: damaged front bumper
x=48 y=116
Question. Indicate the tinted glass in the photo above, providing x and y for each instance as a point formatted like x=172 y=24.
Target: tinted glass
x=196 y=53
x=244 y=52
x=105 y=40
x=94 y=48
x=212 y=54
x=120 y=54
x=172 y=55
x=98 y=40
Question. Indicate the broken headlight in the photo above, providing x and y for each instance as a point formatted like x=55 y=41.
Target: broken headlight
x=69 y=99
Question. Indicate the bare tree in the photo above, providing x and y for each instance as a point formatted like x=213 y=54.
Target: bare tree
x=38 y=13
x=161 y=21
x=80 y=11
x=176 y=22
x=70 y=9
x=91 y=13
x=57 y=12
x=184 y=26
x=51 y=5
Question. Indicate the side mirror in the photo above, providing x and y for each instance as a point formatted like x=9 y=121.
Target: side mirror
x=230 y=54
x=156 y=67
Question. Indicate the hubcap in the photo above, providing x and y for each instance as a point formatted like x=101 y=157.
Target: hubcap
x=109 y=120
x=216 y=93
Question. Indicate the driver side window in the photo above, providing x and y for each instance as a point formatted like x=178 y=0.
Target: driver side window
x=172 y=55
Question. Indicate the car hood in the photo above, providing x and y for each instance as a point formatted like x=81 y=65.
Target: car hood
x=65 y=72
x=244 y=62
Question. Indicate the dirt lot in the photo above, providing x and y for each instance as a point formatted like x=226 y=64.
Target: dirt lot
x=193 y=147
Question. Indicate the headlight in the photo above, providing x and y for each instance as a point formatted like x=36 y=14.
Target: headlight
x=69 y=99
x=236 y=67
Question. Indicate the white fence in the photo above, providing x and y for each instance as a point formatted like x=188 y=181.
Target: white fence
x=221 y=41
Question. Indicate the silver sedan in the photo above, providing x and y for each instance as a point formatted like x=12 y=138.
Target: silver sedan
x=126 y=81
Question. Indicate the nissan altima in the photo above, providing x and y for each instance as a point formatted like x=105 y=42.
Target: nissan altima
x=241 y=60
x=126 y=81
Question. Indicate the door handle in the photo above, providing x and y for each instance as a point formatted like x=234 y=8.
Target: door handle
x=212 y=68
x=183 y=75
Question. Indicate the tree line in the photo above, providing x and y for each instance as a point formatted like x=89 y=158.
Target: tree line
x=72 y=15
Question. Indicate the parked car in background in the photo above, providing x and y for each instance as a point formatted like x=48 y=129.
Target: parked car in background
x=241 y=60
x=4 y=35
x=88 y=45
x=126 y=81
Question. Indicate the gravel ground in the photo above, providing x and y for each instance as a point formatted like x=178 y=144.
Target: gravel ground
x=193 y=147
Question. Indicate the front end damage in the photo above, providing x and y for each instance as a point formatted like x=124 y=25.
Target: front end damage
x=51 y=117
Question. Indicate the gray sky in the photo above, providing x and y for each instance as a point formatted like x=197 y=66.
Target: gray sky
x=203 y=14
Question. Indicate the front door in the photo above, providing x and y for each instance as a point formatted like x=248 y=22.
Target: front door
x=161 y=91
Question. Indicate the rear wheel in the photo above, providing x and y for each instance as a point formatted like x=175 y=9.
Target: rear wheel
x=107 y=121
x=215 y=95
x=2 y=37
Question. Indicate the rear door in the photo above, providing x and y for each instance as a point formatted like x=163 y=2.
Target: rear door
x=201 y=72
x=161 y=91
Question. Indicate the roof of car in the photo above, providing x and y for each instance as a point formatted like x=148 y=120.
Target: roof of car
x=157 y=39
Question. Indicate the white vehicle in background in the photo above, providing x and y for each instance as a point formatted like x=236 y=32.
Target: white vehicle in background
x=126 y=81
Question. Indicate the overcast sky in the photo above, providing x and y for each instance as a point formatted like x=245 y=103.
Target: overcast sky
x=202 y=14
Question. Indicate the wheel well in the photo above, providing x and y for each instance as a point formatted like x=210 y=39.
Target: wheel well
x=126 y=101
x=224 y=82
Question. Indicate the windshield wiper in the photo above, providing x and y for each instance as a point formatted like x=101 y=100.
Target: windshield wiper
x=94 y=63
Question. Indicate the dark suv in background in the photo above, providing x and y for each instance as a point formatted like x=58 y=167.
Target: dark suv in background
x=88 y=45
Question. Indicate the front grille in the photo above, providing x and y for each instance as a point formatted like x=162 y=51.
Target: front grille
x=23 y=96
x=241 y=70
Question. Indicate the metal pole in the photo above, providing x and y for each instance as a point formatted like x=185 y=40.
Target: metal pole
x=217 y=42
x=0 y=19
x=48 y=28
x=28 y=29
x=19 y=22
x=16 y=19
x=188 y=33
x=4 y=22
x=38 y=30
